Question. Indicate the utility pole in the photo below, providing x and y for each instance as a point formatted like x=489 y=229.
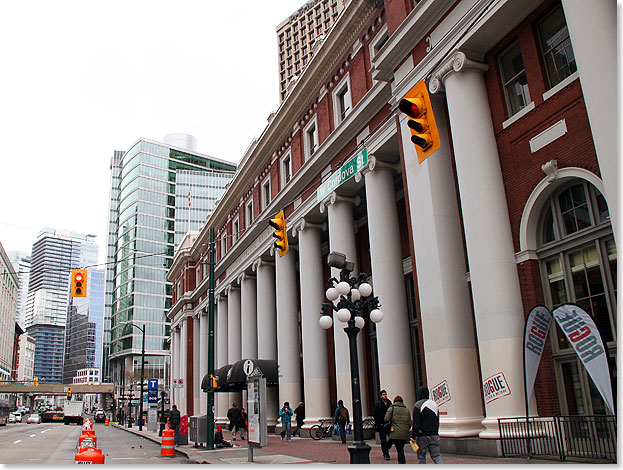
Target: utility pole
x=210 y=410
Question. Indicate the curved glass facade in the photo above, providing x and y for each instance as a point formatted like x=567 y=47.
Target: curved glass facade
x=142 y=242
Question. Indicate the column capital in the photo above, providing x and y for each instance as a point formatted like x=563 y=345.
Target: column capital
x=456 y=62
x=335 y=197
x=245 y=276
x=262 y=262
x=230 y=288
x=376 y=164
x=303 y=224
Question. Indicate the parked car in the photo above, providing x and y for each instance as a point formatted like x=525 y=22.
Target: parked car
x=100 y=416
x=34 y=418
x=15 y=417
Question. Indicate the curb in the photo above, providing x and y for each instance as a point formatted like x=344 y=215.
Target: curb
x=149 y=438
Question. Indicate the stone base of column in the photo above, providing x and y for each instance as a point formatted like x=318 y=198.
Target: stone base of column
x=491 y=431
x=460 y=427
x=272 y=406
x=318 y=403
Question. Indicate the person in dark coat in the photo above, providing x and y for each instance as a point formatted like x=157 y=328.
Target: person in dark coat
x=299 y=411
x=233 y=415
x=341 y=418
x=400 y=418
x=426 y=427
x=219 y=442
x=242 y=423
x=174 y=422
x=379 y=418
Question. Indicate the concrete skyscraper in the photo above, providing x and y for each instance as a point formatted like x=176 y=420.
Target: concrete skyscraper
x=21 y=265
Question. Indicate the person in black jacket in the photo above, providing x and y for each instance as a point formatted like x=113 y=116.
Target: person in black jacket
x=233 y=415
x=425 y=429
x=219 y=442
x=299 y=411
x=243 y=422
x=379 y=416
x=174 y=422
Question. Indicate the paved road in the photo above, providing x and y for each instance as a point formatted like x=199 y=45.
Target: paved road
x=55 y=443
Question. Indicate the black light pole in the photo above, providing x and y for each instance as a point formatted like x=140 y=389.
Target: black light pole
x=210 y=409
x=140 y=422
x=355 y=297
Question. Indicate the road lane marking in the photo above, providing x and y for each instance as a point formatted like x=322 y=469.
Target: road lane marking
x=32 y=435
x=18 y=441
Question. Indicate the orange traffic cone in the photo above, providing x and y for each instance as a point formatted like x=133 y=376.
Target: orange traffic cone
x=106 y=422
x=90 y=455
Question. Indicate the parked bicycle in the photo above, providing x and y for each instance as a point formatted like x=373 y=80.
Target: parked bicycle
x=324 y=429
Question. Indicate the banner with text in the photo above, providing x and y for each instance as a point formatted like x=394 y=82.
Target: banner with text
x=535 y=334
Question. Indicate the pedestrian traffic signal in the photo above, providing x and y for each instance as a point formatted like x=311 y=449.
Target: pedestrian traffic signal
x=424 y=134
x=78 y=282
x=213 y=383
x=69 y=393
x=279 y=224
x=35 y=382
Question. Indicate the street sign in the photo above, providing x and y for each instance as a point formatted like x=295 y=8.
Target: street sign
x=347 y=171
x=152 y=396
x=152 y=384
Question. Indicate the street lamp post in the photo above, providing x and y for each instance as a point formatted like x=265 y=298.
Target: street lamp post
x=142 y=329
x=354 y=296
x=130 y=400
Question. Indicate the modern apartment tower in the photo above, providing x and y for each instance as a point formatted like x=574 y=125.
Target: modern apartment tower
x=148 y=214
x=297 y=37
x=21 y=265
x=54 y=254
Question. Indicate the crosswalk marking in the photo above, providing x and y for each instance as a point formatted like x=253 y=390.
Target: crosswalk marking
x=18 y=441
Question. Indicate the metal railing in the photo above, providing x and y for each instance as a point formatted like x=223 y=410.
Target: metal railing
x=583 y=437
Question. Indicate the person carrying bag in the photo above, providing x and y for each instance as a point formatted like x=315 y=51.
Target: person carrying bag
x=398 y=423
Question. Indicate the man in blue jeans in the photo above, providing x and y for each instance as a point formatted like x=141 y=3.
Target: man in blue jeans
x=341 y=418
x=174 y=423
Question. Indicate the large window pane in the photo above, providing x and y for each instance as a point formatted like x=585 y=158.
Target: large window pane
x=556 y=47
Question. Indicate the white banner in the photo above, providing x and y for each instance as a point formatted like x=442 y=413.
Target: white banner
x=537 y=326
x=584 y=336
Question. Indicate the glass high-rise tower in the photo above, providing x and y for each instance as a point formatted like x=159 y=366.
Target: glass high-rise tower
x=142 y=233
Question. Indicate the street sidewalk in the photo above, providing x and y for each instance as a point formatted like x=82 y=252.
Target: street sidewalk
x=306 y=450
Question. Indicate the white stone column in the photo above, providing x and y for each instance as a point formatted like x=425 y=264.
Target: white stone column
x=287 y=328
x=234 y=338
x=445 y=306
x=393 y=339
x=203 y=358
x=593 y=33
x=175 y=363
x=248 y=308
x=267 y=328
x=494 y=280
x=342 y=239
x=220 y=336
x=182 y=405
x=315 y=350
x=196 y=362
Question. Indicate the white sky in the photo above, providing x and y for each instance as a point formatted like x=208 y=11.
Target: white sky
x=80 y=79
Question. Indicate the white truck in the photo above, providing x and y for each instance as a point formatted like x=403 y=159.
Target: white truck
x=72 y=412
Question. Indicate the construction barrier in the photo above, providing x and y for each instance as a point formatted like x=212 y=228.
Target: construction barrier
x=87 y=434
x=168 y=443
x=89 y=455
x=106 y=422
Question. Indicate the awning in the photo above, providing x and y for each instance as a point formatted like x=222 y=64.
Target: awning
x=233 y=377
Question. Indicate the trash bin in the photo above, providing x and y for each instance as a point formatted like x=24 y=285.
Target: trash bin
x=197 y=429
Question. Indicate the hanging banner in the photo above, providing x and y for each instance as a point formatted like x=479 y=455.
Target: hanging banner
x=582 y=333
x=535 y=333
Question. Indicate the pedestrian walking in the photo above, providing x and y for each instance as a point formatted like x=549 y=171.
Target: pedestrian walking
x=174 y=423
x=299 y=411
x=426 y=427
x=399 y=418
x=163 y=423
x=233 y=415
x=341 y=418
x=285 y=413
x=243 y=423
x=380 y=409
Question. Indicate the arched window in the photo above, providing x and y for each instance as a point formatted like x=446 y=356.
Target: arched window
x=578 y=261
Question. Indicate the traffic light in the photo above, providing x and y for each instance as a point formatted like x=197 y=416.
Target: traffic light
x=417 y=105
x=279 y=224
x=78 y=282
x=213 y=383
x=35 y=382
x=69 y=393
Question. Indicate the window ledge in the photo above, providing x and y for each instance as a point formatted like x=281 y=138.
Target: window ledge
x=551 y=92
x=518 y=115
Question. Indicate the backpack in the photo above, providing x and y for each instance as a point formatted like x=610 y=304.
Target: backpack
x=343 y=414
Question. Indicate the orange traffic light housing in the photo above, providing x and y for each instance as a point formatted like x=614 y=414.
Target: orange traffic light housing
x=213 y=383
x=424 y=134
x=35 y=382
x=279 y=224
x=78 y=282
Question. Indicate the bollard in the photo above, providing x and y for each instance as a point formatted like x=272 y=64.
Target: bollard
x=90 y=455
x=106 y=422
x=168 y=443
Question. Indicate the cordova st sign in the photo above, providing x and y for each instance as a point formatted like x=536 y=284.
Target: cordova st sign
x=347 y=171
